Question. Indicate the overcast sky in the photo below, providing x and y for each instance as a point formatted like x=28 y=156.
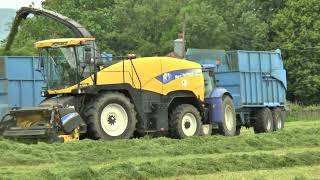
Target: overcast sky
x=16 y=4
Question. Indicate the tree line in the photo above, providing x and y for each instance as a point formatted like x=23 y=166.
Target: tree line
x=147 y=27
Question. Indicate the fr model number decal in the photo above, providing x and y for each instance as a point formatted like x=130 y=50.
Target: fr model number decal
x=167 y=77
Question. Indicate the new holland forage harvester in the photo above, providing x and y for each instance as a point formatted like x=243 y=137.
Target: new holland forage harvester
x=134 y=96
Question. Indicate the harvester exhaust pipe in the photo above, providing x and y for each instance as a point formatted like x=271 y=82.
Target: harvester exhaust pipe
x=179 y=46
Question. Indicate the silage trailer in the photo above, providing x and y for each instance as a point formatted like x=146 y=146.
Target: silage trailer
x=256 y=81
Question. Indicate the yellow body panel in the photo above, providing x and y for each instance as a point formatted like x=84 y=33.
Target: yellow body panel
x=150 y=70
x=62 y=42
x=194 y=83
x=146 y=70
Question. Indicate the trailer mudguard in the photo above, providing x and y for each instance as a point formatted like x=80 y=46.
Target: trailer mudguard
x=215 y=105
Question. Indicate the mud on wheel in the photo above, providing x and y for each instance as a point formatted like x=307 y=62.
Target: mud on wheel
x=185 y=121
x=110 y=116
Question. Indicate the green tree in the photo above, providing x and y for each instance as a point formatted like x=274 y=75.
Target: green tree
x=296 y=30
x=205 y=28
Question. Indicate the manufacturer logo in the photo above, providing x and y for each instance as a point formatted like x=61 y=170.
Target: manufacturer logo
x=166 y=77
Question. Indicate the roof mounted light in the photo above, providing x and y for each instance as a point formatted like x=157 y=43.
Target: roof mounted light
x=132 y=56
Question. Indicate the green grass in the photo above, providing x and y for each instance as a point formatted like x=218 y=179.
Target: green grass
x=296 y=173
x=248 y=155
x=299 y=112
x=294 y=107
x=303 y=116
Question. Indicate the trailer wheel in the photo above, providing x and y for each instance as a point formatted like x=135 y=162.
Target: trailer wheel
x=278 y=119
x=111 y=116
x=185 y=121
x=264 y=121
x=228 y=127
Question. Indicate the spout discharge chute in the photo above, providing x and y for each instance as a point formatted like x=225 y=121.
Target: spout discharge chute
x=78 y=30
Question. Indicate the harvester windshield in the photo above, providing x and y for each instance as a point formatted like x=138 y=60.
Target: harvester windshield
x=59 y=67
x=66 y=65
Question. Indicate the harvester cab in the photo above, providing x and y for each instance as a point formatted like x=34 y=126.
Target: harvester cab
x=67 y=62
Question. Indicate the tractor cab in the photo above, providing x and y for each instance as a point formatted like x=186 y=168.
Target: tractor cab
x=208 y=71
x=66 y=62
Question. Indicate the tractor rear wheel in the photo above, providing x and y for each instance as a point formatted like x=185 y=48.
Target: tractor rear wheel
x=264 y=121
x=278 y=119
x=229 y=125
x=185 y=121
x=110 y=116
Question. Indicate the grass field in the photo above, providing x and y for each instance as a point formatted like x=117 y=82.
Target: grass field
x=293 y=153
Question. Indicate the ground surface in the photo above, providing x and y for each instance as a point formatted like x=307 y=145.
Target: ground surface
x=293 y=153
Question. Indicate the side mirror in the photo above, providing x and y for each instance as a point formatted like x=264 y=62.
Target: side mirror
x=88 y=55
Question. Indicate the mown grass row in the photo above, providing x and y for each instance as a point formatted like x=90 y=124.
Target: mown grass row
x=162 y=157
x=293 y=173
x=97 y=151
x=167 y=167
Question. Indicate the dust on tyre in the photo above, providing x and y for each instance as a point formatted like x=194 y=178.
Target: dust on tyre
x=185 y=121
x=264 y=121
x=229 y=126
x=111 y=116
x=278 y=119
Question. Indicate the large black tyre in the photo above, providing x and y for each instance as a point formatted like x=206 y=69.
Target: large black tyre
x=185 y=121
x=278 y=119
x=229 y=125
x=110 y=116
x=264 y=121
x=238 y=130
x=140 y=131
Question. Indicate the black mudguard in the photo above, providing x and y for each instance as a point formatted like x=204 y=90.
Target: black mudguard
x=70 y=119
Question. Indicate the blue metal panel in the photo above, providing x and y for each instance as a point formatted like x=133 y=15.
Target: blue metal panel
x=21 y=84
x=215 y=112
x=254 y=78
x=229 y=80
x=106 y=57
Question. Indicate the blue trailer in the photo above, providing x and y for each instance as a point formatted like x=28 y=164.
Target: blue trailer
x=20 y=84
x=256 y=82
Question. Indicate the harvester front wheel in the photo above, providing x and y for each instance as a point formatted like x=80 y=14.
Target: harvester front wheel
x=185 y=121
x=111 y=116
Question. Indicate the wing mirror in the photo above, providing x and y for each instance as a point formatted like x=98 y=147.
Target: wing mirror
x=88 y=55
